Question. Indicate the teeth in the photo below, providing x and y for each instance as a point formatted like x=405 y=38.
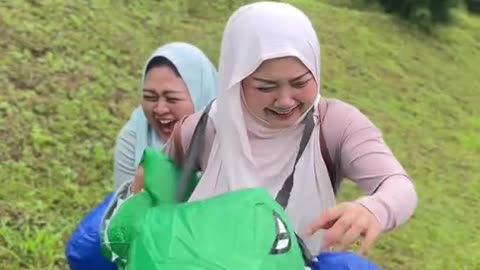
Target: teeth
x=165 y=122
x=283 y=112
x=277 y=112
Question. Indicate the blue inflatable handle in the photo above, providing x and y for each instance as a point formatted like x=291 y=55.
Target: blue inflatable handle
x=343 y=261
x=83 y=249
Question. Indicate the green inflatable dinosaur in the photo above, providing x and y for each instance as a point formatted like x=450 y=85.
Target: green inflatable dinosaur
x=244 y=230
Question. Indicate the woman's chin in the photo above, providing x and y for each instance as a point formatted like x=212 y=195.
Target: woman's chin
x=164 y=135
x=281 y=124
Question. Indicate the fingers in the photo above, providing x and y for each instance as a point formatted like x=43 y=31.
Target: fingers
x=371 y=235
x=333 y=235
x=327 y=219
x=346 y=224
x=137 y=184
x=355 y=232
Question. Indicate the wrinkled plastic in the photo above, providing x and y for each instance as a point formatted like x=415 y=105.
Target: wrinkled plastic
x=245 y=229
x=83 y=250
x=239 y=230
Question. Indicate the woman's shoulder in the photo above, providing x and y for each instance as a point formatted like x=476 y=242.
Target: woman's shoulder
x=129 y=128
x=341 y=114
x=190 y=122
x=137 y=120
x=336 y=108
x=340 y=121
x=137 y=115
x=136 y=125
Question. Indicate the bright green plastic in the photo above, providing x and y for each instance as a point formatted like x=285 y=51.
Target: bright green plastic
x=240 y=230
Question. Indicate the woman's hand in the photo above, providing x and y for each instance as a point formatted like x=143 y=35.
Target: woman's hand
x=137 y=184
x=346 y=224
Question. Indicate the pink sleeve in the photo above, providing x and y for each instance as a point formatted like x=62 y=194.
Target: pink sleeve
x=187 y=128
x=361 y=155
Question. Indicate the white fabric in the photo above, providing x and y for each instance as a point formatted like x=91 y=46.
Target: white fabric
x=246 y=154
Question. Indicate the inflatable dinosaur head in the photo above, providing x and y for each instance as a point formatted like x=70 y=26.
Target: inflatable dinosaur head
x=244 y=229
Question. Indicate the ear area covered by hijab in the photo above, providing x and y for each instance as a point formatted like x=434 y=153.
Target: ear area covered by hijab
x=254 y=33
x=267 y=30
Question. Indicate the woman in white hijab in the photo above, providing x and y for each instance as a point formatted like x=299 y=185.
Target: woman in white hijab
x=268 y=102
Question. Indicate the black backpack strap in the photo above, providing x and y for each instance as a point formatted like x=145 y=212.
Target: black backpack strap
x=284 y=194
x=191 y=164
x=307 y=256
x=332 y=174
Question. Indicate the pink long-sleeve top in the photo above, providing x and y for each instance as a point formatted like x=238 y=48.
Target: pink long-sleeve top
x=357 y=149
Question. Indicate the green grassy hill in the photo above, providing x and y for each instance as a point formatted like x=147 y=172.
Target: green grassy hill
x=69 y=77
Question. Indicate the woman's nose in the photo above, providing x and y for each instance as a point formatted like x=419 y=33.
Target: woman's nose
x=161 y=107
x=284 y=100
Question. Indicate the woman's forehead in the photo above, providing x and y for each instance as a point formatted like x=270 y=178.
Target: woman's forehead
x=289 y=67
x=161 y=79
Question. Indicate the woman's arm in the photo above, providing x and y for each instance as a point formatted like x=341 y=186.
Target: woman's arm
x=361 y=155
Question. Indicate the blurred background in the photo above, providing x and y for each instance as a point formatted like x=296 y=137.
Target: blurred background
x=70 y=77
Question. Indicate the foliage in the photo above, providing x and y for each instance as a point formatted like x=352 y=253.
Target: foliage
x=422 y=12
x=473 y=6
x=70 y=75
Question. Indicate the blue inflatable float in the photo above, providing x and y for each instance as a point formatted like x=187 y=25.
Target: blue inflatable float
x=343 y=261
x=83 y=248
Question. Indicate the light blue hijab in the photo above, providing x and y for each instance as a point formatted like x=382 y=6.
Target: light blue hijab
x=200 y=77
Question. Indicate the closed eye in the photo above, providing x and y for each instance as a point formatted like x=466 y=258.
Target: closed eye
x=266 y=89
x=173 y=100
x=300 y=84
x=150 y=98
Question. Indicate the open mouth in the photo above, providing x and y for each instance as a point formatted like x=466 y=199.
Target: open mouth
x=166 y=125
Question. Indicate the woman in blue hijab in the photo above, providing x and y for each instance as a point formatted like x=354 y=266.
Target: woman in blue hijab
x=178 y=79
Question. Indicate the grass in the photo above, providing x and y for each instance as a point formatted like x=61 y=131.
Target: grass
x=70 y=74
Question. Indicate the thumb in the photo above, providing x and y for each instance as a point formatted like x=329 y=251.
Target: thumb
x=137 y=184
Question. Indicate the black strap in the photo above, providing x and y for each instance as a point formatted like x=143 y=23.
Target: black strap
x=284 y=194
x=195 y=149
x=328 y=162
x=307 y=256
x=332 y=174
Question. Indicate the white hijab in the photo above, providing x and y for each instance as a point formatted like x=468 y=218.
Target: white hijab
x=246 y=154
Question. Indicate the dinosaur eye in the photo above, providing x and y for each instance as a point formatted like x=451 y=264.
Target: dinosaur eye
x=282 y=241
